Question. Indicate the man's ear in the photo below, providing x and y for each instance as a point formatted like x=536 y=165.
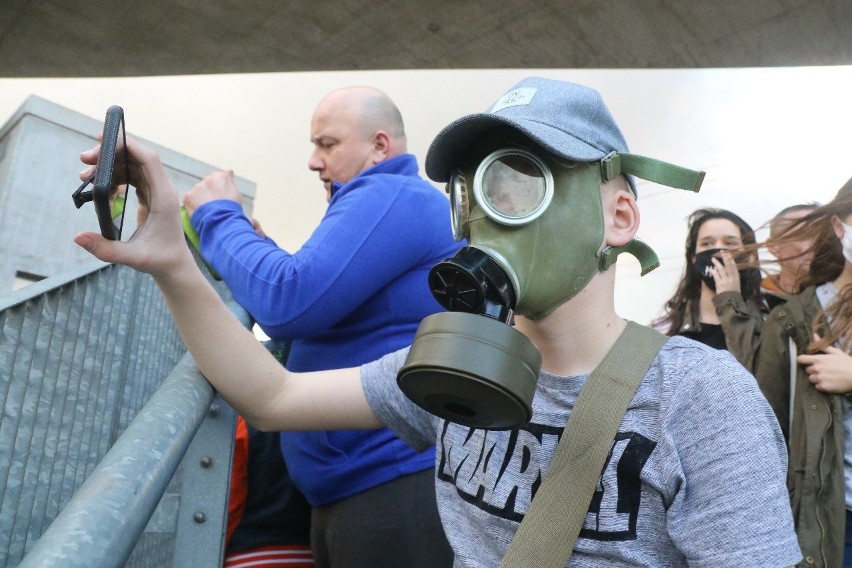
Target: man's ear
x=381 y=146
x=621 y=215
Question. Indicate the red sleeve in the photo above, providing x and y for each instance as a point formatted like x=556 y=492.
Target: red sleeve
x=239 y=479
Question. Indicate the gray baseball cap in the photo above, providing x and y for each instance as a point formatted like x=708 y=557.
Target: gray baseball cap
x=567 y=119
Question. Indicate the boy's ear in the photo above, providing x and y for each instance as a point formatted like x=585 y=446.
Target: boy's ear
x=621 y=216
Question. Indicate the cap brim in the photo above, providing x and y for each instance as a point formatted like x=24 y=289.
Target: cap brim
x=455 y=140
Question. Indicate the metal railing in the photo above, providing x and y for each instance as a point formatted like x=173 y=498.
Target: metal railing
x=100 y=406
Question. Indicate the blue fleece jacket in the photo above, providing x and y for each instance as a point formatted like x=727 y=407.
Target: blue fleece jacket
x=356 y=290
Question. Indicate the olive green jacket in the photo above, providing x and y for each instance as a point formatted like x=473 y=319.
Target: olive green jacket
x=741 y=322
x=814 y=430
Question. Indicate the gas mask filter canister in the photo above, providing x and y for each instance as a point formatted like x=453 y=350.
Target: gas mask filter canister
x=472 y=370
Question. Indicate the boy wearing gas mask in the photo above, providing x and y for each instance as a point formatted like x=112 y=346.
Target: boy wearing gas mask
x=696 y=472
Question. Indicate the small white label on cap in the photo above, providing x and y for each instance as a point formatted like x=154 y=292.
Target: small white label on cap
x=516 y=97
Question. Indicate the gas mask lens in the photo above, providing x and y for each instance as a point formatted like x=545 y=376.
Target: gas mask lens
x=513 y=186
x=457 y=189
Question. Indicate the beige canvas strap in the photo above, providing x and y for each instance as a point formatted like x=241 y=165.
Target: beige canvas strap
x=546 y=536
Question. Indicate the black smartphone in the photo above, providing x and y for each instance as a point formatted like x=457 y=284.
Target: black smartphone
x=110 y=183
x=109 y=193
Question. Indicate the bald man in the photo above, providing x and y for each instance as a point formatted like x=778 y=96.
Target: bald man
x=355 y=291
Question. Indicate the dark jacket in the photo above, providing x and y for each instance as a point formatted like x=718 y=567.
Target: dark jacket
x=814 y=431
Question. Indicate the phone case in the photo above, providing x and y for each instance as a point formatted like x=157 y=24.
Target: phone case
x=106 y=170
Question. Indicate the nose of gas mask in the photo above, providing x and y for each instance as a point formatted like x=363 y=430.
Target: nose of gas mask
x=469 y=365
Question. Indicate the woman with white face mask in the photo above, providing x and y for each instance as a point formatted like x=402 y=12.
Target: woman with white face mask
x=804 y=368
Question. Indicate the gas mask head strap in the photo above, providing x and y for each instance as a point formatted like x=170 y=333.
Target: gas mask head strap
x=646 y=256
x=664 y=173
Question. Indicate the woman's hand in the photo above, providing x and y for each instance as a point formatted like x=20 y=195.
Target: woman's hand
x=158 y=245
x=725 y=272
x=829 y=371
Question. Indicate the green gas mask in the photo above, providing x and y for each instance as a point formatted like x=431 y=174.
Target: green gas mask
x=547 y=242
x=535 y=229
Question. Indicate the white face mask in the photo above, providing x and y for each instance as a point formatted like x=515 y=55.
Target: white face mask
x=846 y=242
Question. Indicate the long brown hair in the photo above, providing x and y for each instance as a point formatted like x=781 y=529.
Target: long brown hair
x=826 y=266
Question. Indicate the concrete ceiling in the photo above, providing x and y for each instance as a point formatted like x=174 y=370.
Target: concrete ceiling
x=70 y=38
